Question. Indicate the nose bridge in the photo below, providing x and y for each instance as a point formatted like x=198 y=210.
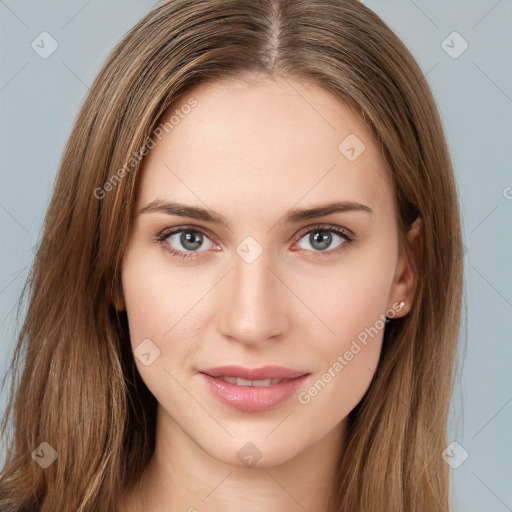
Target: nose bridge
x=251 y=308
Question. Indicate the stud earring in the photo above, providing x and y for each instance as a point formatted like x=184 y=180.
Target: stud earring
x=400 y=307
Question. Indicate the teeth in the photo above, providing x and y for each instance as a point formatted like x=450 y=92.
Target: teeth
x=255 y=383
x=245 y=382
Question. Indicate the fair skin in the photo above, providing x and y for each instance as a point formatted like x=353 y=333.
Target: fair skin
x=251 y=152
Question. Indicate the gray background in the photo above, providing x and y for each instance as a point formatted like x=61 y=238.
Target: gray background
x=39 y=99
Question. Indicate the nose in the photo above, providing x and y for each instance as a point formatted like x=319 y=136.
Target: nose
x=253 y=302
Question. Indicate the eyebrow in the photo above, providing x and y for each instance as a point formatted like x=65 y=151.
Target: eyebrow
x=292 y=216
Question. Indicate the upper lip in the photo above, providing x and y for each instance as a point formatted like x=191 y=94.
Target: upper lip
x=263 y=373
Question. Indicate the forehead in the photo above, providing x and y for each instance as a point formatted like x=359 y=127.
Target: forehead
x=260 y=144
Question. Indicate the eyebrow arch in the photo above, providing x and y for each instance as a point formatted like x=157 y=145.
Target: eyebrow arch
x=292 y=216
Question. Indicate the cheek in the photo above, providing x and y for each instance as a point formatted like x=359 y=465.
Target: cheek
x=352 y=304
x=159 y=301
x=349 y=357
x=166 y=305
x=350 y=298
x=158 y=305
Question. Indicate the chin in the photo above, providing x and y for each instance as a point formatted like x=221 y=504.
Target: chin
x=258 y=453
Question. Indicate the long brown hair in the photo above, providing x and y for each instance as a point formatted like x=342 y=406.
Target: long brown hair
x=79 y=390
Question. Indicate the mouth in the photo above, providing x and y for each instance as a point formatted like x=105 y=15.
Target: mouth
x=262 y=383
x=253 y=390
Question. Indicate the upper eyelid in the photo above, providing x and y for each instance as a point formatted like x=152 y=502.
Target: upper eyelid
x=326 y=227
x=167 y=232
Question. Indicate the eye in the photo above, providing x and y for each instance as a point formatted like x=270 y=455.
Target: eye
x=321 y=237
x=187 y=240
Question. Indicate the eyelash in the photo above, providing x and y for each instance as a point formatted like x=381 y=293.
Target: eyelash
x=342 y=232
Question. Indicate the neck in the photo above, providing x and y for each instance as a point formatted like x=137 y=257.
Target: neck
x=181 y=476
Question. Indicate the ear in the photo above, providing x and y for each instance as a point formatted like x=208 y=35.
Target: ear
x=405 y=281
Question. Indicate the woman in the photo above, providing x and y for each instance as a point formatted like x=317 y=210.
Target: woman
x=248 y=291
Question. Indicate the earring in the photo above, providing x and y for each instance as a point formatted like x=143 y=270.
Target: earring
x=401 y=306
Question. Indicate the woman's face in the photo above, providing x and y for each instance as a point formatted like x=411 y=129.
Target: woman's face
x=260 y=279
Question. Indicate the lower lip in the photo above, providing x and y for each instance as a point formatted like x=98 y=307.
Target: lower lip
x=252 y=398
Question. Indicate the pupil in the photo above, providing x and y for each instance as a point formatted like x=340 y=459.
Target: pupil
x=324 y=239
x=191 y=240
